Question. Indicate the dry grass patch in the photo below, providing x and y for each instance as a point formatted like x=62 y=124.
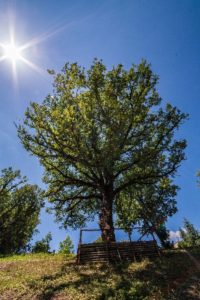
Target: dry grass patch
x=56 y=276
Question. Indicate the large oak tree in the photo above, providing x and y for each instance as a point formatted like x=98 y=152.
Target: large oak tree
x=99 y=133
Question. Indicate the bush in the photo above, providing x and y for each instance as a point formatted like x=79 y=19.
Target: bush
x=66 y=247
x=43 y=245
x=190 y=235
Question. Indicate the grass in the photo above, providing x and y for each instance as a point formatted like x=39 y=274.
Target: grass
x=55 y=276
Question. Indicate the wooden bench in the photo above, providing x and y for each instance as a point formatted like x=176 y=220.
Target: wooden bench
x=116 y=251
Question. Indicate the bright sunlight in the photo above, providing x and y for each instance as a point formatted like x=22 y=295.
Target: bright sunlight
x=12 y=52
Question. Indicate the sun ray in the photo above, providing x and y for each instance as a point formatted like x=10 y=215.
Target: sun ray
x=11 y=32
x=44 y=36
x=14 y=72
x=2 y=58
x=53 y=30
x=14 y=52
x=33 y=66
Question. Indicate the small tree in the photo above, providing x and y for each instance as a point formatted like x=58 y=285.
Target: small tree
x=190 y=235
x=149 y=206
x=20 y=205
x=100 y=133
x=43 y=246
x=66 y=247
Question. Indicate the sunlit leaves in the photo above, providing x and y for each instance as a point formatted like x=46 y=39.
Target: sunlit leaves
x=102 y=130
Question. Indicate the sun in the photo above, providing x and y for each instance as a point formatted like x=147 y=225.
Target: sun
x=16 y=53
x=12 y=52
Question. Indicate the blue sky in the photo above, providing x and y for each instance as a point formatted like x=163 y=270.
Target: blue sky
x=166 y=33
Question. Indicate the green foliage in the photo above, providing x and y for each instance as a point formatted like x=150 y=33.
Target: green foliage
x=20 y=205
x=66 y=247
x=150 y=206
x=190 y=235
x=163 y=235
x=100 y=134
x=43 y=246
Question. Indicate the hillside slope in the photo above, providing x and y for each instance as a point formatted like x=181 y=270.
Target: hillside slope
x=175 y=276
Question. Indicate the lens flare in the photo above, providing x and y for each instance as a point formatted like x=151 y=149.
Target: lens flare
x=12 y=52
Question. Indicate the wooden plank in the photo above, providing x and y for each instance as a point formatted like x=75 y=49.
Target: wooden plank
x=119 y=251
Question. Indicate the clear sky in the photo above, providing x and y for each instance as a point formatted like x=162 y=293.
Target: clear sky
x=166 y=33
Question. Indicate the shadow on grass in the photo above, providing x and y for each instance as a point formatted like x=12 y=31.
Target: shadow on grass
x=129 y=281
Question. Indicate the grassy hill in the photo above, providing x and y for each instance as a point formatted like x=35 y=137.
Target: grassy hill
x=53 y=276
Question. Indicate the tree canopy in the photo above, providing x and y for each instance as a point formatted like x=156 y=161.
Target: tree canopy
x=99 y=134
x=66 y=247
x=20 y=205
x=149 y=206
x=43 y=246
x=189 y=234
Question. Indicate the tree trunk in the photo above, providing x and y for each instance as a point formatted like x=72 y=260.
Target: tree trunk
x=106 y=217
x=163 y=239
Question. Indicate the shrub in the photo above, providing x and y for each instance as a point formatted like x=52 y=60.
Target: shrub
x=43 y=245
x=66 y=247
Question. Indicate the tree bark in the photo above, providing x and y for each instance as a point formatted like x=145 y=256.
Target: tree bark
x=106 y=217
